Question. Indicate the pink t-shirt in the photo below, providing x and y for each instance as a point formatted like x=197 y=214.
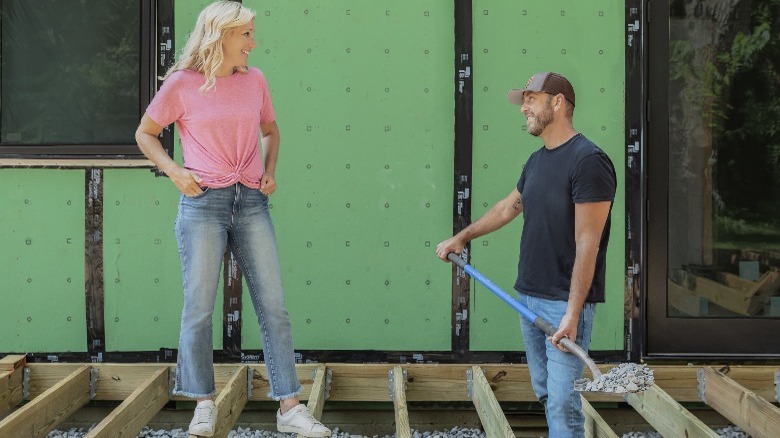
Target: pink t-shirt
x=219 y=130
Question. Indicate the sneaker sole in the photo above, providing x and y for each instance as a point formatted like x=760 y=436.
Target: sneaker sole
x=291 y=429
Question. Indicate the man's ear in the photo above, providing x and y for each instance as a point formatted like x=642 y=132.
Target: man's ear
x=558 y=101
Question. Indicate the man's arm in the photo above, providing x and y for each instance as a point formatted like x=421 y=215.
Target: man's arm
x=499 y=215
x=589 y=221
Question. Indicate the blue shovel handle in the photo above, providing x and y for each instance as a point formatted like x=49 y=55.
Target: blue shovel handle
x=539 y=322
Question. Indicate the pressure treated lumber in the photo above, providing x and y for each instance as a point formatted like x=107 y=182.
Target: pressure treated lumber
x=737 y=296
x=494 y=422
x=137 y=410
x=45 y=412
x=743 y=407
x=427 y=382
x=402 y=429
x=11 y=375
x=686 y=301
x=595 y=426
x=317 y=395
x=667 y=416
x=75 y=163
x=230 y=402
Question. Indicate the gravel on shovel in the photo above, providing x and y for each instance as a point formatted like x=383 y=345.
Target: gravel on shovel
x=622 y=379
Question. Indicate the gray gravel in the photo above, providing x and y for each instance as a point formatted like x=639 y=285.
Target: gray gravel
x=726 y=432
x=455 y=432
x=622 y=379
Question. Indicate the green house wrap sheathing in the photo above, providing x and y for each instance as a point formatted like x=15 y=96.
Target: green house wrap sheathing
x=363 y=93
x=512 y=41
x=364 y=99
x=42 y=260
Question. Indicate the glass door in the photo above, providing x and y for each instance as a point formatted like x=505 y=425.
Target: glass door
x=713 y=239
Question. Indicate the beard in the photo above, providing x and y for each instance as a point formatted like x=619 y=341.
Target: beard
x=542 y=120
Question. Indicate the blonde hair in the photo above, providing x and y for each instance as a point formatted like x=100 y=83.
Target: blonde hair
x=203 y=50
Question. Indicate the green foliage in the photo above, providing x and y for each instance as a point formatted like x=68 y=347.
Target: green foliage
x=748 y=137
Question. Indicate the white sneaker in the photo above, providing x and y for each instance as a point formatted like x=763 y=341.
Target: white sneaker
x=205 y=418
x=299 y=420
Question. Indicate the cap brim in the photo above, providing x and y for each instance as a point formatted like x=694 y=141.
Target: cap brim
x=516 y=96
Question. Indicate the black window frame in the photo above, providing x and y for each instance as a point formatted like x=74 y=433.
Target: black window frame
x=677 y=337
x=156 y=54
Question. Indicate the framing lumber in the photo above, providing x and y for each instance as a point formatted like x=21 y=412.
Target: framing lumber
x=686 y=301
x=231 y=402
x=65 y=163
x=402 y=429
x=595 y=426
x=737 y=300
x=12 y=362
x=490 y=414
x=137 y=410
x=45 y=412
x=743 y=407
x=428 y=382
x=11 y=376
x=317 y=393
x=681 y=381
x=667 y=416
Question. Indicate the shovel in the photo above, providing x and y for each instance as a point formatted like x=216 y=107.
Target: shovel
x=549 y=329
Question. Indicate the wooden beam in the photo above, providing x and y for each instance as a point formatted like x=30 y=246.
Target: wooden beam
x=743 y=407
x=66 y=163
x=12 y=362
x=11 y=376
x=686 y=301
x=667 y=416
x=402 y=429
x=737 y=299
x=230 y=402
x=430 y=382
x=317 y=394
x=681 y=381
x=45 y=412
x=261 y=386
x=136 y=411
x=595 y=426
x=490 y=414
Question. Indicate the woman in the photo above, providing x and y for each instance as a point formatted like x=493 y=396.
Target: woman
x=220 y=106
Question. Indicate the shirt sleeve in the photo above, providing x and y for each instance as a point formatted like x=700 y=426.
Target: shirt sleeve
x=594 y=179
x=267 y=114
x=521 y=181
x=167 y=106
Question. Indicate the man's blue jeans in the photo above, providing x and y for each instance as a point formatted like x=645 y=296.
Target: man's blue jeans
x=205 y=224
x=553 y=372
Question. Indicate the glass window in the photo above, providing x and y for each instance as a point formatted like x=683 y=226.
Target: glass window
x=71 y=76
x=724 y=159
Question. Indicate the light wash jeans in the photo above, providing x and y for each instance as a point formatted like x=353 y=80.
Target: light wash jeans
x=553 y=372
x=239 y=215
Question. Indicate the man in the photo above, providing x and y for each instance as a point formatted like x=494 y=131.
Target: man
x=565 y=193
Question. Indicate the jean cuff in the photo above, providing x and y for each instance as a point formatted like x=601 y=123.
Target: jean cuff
x=286 y=396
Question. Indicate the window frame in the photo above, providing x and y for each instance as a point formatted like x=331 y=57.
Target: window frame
x=155 y=14
x=669 y=337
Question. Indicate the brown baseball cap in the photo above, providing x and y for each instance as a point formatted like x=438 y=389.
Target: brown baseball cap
x=545 y=82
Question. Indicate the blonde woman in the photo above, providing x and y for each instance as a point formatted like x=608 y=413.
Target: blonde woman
x=222 y=108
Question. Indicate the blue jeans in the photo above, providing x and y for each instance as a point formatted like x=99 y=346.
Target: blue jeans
x=553 y=372
x=204 y=225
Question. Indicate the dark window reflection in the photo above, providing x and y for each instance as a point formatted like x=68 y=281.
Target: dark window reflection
x=69 y=71
x=724 y=159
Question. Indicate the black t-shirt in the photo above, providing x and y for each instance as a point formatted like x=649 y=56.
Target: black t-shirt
x=551 y=183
